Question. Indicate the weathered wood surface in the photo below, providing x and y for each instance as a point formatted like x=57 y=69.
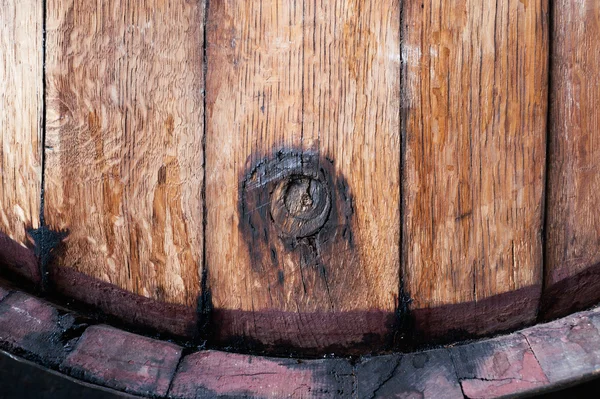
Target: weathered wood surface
x=568 y=349
x=428 y=374
x=572 y=269
x=305 y=164
x=124 y=170
x=20 y=129
x=538 y=359
x=302 y=148
x=34 y=328
x=499 y=367
x=474 y=106
x=120 y=360
x=214 y=374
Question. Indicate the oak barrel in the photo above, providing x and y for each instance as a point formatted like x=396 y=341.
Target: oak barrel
x=307 y=177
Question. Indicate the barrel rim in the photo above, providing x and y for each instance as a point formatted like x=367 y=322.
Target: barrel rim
x=537 y=359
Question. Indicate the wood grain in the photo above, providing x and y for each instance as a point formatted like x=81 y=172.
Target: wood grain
x=20 y=119
x=572 y=275
x=474 y=106
x=428 y=374
x=500 y=367
x=303 y=89
x=124 y=142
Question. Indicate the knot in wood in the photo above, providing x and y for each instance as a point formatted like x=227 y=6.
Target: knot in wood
x=300 y=205
x=295 y=207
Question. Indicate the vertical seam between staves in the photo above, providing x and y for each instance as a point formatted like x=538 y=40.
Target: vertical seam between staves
x=545 y=191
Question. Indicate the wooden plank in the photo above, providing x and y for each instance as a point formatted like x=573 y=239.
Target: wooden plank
x=475 y=101
x=35 y=329
x=215 y=374
x=572 y=269
x=568 y=349
x=121 y=360
x=303 y=151
x=351 y=115
x=124 y=143
x=428 y=374
x=20 y=130
x=499 y=367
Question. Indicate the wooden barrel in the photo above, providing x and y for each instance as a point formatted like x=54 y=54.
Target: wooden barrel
x=304 y=177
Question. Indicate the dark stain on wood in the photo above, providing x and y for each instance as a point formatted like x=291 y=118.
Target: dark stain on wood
x=110 y=303
x=373 y=372
x=576 y=292
x=45 y=242
x=404 y=326
x=294 y=203
x=455 y=322
x=415 y=375
x=282 y=333
x=48 y=339
x=204 y=309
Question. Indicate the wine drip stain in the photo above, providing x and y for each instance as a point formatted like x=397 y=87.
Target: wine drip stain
x=294 y=201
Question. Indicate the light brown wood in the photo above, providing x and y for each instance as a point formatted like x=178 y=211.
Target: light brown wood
x=20 y=117
x=475 y=101
x=319 y=82
x=573 y=215
x=351 y=115
x=124 y=169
